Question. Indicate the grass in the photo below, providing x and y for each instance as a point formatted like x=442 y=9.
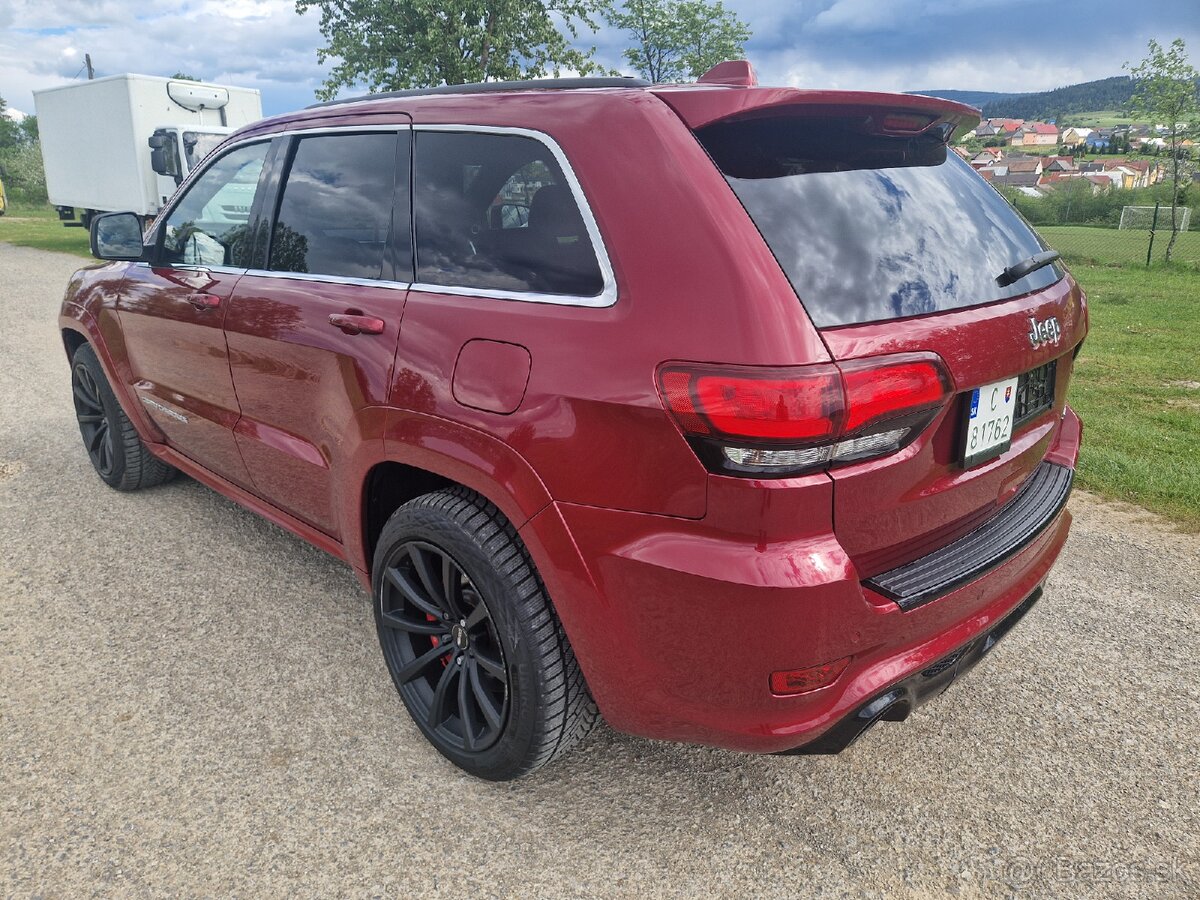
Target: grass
x=1137 y=380
x=38 y=226
x=1103 y=118
x=1099 y=247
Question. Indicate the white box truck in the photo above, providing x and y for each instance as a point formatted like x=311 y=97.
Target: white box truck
x=125 y=142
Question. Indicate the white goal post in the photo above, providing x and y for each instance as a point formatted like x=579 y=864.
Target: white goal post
x=1140 y=218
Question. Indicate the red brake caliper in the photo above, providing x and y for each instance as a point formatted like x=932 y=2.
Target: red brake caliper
x=436 y=641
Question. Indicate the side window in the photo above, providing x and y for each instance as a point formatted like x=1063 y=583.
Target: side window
x=493 y=211
x=211 y=224
x=335 y=216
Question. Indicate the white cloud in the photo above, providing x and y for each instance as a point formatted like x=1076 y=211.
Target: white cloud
x=1002 y=45
x=252 y=43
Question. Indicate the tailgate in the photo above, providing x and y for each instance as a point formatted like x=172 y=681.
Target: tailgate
x=894 y=509
x=893 y=244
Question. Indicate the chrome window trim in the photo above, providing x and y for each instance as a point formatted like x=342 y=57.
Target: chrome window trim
x=195 y=267
x=608 y=293
x=331 y=279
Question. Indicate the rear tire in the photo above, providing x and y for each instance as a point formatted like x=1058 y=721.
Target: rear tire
x=505 y=695
x=117 y=453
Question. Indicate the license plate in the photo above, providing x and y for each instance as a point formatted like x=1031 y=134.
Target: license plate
x=989 y=421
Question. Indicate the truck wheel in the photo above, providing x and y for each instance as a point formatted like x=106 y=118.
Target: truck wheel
x=117 y=453
x=470 y=638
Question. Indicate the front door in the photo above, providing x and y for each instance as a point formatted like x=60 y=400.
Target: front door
x=172 y=311
x=312 y=338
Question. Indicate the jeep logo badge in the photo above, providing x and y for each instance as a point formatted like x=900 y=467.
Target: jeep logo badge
x=1048 y=331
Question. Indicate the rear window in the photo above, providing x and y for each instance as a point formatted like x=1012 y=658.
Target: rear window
x=870 y=227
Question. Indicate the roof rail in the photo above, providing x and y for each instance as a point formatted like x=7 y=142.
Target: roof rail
x=486 y=87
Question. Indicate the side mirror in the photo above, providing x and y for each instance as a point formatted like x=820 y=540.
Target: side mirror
x=116 y=236
x=164 y=155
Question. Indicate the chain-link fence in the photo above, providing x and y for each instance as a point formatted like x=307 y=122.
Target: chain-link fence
x=1105 y=228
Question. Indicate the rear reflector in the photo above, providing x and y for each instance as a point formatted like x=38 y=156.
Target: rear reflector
x=800 y=681
x=744 y=420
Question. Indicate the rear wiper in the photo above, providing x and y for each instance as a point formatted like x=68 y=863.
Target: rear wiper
x=1017 y=271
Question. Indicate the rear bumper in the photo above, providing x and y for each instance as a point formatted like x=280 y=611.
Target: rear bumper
x=679 y=623
x=897 y=702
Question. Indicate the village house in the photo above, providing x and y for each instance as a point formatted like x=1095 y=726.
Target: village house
x=1058 y=164
x=1035 y=134
x=1015 y=171
x=987 y=156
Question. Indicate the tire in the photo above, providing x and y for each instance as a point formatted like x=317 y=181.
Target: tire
x=117 y=453
x=502 y=645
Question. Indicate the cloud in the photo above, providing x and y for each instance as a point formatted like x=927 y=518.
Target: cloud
x=1003 y=45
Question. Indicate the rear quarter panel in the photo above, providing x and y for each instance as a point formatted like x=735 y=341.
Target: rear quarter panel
x=695 y=282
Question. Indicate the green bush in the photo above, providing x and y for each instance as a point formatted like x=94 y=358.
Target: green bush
x=24 y=176
x=1071 y=202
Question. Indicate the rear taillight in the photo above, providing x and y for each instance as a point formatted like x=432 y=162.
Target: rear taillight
x=775 y=422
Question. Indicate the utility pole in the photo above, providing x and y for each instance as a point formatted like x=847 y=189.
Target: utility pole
x=87 y=61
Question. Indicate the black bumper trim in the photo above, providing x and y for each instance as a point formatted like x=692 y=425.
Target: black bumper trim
x=895 y=703
x=1040 y=499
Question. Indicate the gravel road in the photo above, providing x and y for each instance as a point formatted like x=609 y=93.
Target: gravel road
x=192 y=702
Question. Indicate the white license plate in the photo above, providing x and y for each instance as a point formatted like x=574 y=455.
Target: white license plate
x=989 y=425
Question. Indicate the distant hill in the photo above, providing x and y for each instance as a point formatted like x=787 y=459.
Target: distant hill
x=1107 y=93
x=971 y=98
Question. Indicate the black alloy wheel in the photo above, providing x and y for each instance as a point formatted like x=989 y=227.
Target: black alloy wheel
x=112 y=442
x=93 y=419
x=471 y=639
x=442 y=647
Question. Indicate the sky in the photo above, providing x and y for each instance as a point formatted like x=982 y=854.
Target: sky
x=892 y=45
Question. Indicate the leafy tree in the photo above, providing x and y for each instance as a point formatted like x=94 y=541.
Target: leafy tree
x=10 y=131
x=21 y=158
x=397 y=44
x=28 y=127
x=674 y=40
x=180 y=76
x=1165 y=90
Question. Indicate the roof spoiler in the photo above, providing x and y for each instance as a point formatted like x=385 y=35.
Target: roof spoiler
x=895 y=114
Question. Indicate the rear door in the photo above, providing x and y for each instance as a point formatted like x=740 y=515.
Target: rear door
x=172 y=311
x=312 y=332
x=894 y=244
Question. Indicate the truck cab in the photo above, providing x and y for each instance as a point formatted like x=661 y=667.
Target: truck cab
x=175 y=150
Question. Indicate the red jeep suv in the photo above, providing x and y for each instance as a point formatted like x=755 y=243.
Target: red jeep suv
x=733 y=414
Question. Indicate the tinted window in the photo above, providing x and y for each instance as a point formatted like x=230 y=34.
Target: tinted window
x=335 y=216
x=210 y=225
x=870 y=227
x=495 y=212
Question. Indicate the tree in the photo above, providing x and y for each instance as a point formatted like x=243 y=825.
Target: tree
x=10 y=131
x=180 y=76
x=29 y=129
x=1165 y=90
x=674 y=40
x=395 y=44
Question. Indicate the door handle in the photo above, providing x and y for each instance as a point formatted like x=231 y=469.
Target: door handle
x=204 y=301
x=355 y=323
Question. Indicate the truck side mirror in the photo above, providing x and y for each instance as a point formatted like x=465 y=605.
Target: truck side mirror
x=116 y=236
x=164 y=155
